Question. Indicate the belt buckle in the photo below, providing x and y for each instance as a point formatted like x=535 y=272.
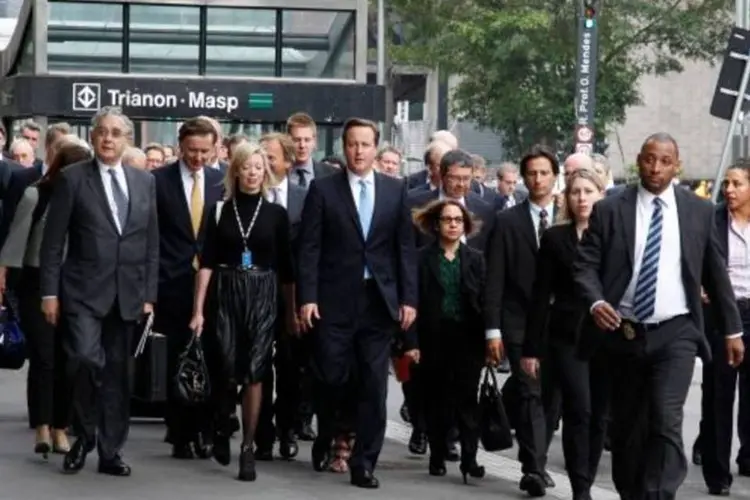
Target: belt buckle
x=628 y=330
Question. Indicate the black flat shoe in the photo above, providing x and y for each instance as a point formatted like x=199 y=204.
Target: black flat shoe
x=288 y=447
x=437 y=467
x=417 y=443
x=222 y=452
x=719 y=491
x=365 y=480
x=114 y=467
x=533 y=484
x=321 y=454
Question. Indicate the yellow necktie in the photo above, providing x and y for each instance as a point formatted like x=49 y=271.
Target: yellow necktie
x=196 y=210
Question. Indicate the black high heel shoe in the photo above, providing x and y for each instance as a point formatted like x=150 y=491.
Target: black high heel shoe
x=247 y=464
x=43 y=448
x=474 y=470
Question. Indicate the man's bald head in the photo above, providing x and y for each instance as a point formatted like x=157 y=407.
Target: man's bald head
x=446 y=137
x=661 y=138
x=577 y=161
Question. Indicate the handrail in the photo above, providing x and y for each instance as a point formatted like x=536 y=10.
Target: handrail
x=9 y=55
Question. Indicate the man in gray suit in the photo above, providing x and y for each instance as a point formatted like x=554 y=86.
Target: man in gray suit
x=293 y=406
x=105 y=212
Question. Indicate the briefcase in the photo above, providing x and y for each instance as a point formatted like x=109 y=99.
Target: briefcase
x=149 y=365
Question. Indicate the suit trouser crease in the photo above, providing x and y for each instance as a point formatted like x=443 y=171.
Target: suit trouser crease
x=651 y=377
x=358 y=351
x=98 y=350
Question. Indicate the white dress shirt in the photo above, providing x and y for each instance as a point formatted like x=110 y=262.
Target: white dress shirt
x=187 y=184
x=671 y=300
x=535 y=211
x=354 y=179
x=107 y=181
x=279 y=194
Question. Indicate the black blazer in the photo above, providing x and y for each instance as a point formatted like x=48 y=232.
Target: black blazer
x=474 y=204
x=177 y=243
x=417 y=179
x=103 y=268
x=333 y=251
x=710 y=312
x=429 y=319
x=604 y=264
x=556 y=309
x=511 y=265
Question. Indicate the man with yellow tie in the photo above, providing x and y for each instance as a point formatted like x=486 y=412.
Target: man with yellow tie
x=185 y=190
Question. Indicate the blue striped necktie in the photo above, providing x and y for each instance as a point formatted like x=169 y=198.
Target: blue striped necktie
x=644 y=302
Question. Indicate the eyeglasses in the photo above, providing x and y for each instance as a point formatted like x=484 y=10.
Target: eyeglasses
x=448 y=220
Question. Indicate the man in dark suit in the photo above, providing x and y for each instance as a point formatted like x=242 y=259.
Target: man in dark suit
x=455 y=182
x=18 y=178
x=303 y=131
x=105 y=213
x=429 y=178
x=508 y=187
x=292 y=407
x=511 y=266
x=640 y=266
x=185 y=190
x=356 y=236
x=489 y=195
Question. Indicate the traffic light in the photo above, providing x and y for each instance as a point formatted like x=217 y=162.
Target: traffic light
x=589 y=12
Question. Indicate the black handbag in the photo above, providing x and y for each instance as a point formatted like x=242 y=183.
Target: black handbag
x=12 y=341
x=494 y=426
x=192 y=385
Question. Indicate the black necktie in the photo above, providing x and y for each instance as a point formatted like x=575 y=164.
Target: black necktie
x=302 y=182
x=543 y=223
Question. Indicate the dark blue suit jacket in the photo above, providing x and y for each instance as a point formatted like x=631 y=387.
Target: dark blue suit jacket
x=333 y=252
x=177 y=243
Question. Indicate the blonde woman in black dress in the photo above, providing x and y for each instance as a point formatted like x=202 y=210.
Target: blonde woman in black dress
x=245 y=265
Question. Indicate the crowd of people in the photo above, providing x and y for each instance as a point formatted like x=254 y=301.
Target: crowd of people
x=305 y=281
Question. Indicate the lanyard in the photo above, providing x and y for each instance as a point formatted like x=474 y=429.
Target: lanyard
x=246 y=234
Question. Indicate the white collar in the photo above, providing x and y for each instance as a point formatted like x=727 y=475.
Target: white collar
x=103 y=167
x=187 y=173
x=536 y=209
x=646 y=198
x=369 y=177
x=283 y=185
x=443 y=196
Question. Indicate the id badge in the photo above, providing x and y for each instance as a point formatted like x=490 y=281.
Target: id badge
x=247 y=259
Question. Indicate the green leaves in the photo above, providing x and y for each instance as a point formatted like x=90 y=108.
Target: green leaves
x=517 y=57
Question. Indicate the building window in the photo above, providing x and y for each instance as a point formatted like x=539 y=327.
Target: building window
x=164 y=39
x=318 y=44
x=240 y=42
x=84 y=37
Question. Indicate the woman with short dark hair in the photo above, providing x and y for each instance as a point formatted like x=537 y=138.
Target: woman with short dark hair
x=450 y=332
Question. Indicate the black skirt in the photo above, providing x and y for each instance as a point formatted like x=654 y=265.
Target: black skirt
x=241 y=314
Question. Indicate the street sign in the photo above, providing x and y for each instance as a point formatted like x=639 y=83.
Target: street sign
x=87 y=96
x=730 y=76
x=587 y=149
x=586 y=67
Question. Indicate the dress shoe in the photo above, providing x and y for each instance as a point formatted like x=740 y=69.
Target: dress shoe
x=305 y=432
x=321 y=454
x=719 y=490
x=221 y=450
x=264 y=454
x=202 y=449
x=418 y=442
x=247 y=464
x=533 y=484
x=365 y=480
x=182 y=452
x=548 y=481
x=75 y=459
x=288 y=447
x=404 y=413
x=474 y=470
x=114 y=467
x=437 y=467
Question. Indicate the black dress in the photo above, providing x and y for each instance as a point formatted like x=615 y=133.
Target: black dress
x=241 y=303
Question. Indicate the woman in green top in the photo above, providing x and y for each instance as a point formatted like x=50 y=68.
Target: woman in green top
x=450 y=332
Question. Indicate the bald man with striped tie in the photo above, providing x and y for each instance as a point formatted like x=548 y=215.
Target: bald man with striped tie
x=640 y=268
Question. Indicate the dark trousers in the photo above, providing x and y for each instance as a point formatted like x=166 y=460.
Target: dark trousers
x=360 y=349
x=172 y=318
x=531 y=432
x=651 y=376
x=584 y=385
x=719 y=384
x=414 y=396
x=98 y=350
x=449 y=371
x=48 y=397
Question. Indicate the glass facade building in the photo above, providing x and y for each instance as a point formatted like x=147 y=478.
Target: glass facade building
x=306 y=53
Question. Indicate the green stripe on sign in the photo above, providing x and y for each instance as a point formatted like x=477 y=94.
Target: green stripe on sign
x=259 y=101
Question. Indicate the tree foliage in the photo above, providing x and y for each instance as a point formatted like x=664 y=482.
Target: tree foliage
x=517 y=58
